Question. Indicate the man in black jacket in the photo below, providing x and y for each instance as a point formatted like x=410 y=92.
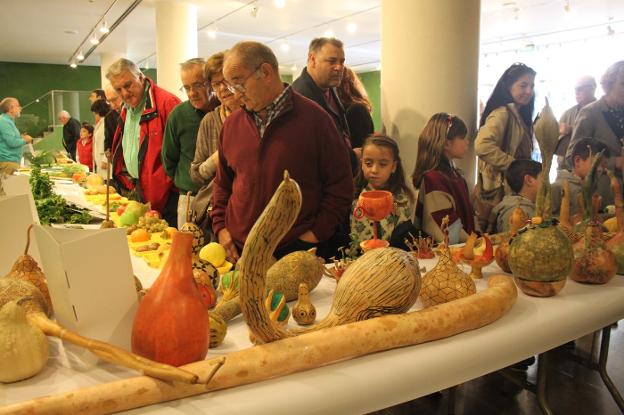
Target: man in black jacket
x=318 y=82
x=323 y=74
x=71 y=132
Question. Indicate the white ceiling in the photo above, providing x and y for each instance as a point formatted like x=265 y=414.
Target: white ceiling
x=50 y=31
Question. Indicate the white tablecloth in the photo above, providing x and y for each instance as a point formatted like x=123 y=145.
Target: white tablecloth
x=369 y=383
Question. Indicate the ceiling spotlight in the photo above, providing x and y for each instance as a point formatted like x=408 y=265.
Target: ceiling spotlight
x=212 y=33
x=328 y=33
x=80 y=56
x=94 y=39
x=566 y=6
x=352 y=27
x=254 y=10
x=285 y=47
x=73 y=65
x=279 y=3
x=104 y=28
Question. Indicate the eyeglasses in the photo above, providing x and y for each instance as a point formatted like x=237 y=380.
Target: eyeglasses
x=197 y=86
x=217 y=85
x=240 y=87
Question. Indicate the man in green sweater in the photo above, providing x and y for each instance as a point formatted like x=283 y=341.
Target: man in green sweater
x=180 y=137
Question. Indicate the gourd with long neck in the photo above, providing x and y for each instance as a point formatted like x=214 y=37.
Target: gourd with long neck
x=382 y=281
x=540 y=256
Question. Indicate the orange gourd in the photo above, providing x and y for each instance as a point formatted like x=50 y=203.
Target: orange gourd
x=171 y=325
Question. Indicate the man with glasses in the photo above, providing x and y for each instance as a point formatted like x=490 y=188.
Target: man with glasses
x=181 y=131
x=112 y=118
x=137 y=163
x=277 y=130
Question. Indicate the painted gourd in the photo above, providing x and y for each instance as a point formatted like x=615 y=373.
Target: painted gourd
x=304 y=311
x=516 y=221
x=616 y=243
x=594 y=263
x=540 y=258
x=171 y=324
x=445 y=282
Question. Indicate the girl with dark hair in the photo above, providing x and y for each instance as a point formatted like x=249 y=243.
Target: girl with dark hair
x=381 y=169
x=505 y=134
x=442 y=188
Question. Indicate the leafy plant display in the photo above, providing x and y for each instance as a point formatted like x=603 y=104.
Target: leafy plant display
x=51 y=207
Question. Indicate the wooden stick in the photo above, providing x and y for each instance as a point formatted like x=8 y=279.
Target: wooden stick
x=294 y=354
x=107 y=192
x=112 y=353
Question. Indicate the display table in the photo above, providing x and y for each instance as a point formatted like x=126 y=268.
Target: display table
x=373 y=382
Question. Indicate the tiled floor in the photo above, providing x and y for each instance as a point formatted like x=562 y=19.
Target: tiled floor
x=572 y=388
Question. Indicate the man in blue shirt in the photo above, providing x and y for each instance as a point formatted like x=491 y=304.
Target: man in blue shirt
x=11 y=142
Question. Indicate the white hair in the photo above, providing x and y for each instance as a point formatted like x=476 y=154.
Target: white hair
x=123 y=65
x=64 y=114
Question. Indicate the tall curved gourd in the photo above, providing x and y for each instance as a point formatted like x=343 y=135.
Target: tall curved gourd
x=382 y=281
x=540 y=256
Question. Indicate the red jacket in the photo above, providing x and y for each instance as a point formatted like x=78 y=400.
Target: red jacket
x=302 y=140
x=153 y=184
x=85 y=152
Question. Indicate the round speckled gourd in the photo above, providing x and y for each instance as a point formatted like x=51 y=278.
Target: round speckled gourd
x=541 y=253
x=293 y=269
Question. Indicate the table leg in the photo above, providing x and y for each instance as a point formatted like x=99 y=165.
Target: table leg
x=602 y=367
x=542 y=367
x=451 y=400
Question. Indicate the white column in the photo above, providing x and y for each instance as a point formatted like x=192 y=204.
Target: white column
x=106 y=59
x=72 y=104
x=176 y=41
x=430 y=58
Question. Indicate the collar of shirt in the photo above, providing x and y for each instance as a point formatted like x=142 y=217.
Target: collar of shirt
x=281 y=104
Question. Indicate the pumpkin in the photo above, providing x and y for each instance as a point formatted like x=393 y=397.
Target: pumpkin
x=171 y=324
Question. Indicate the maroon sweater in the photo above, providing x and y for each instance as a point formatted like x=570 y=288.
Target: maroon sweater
x=302 y=140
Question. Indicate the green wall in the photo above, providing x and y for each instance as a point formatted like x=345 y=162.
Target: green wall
x=372 y=83
x=28 y=81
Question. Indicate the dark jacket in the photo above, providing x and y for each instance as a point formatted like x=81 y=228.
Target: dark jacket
x=110 y=126
x=306 y=86
x=360 y=123
x=71 y=134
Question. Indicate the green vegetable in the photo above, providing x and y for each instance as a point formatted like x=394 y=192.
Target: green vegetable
x=51 y=207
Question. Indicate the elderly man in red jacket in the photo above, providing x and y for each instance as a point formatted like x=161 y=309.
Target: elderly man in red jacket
x=277 y=130
x=137 y=163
